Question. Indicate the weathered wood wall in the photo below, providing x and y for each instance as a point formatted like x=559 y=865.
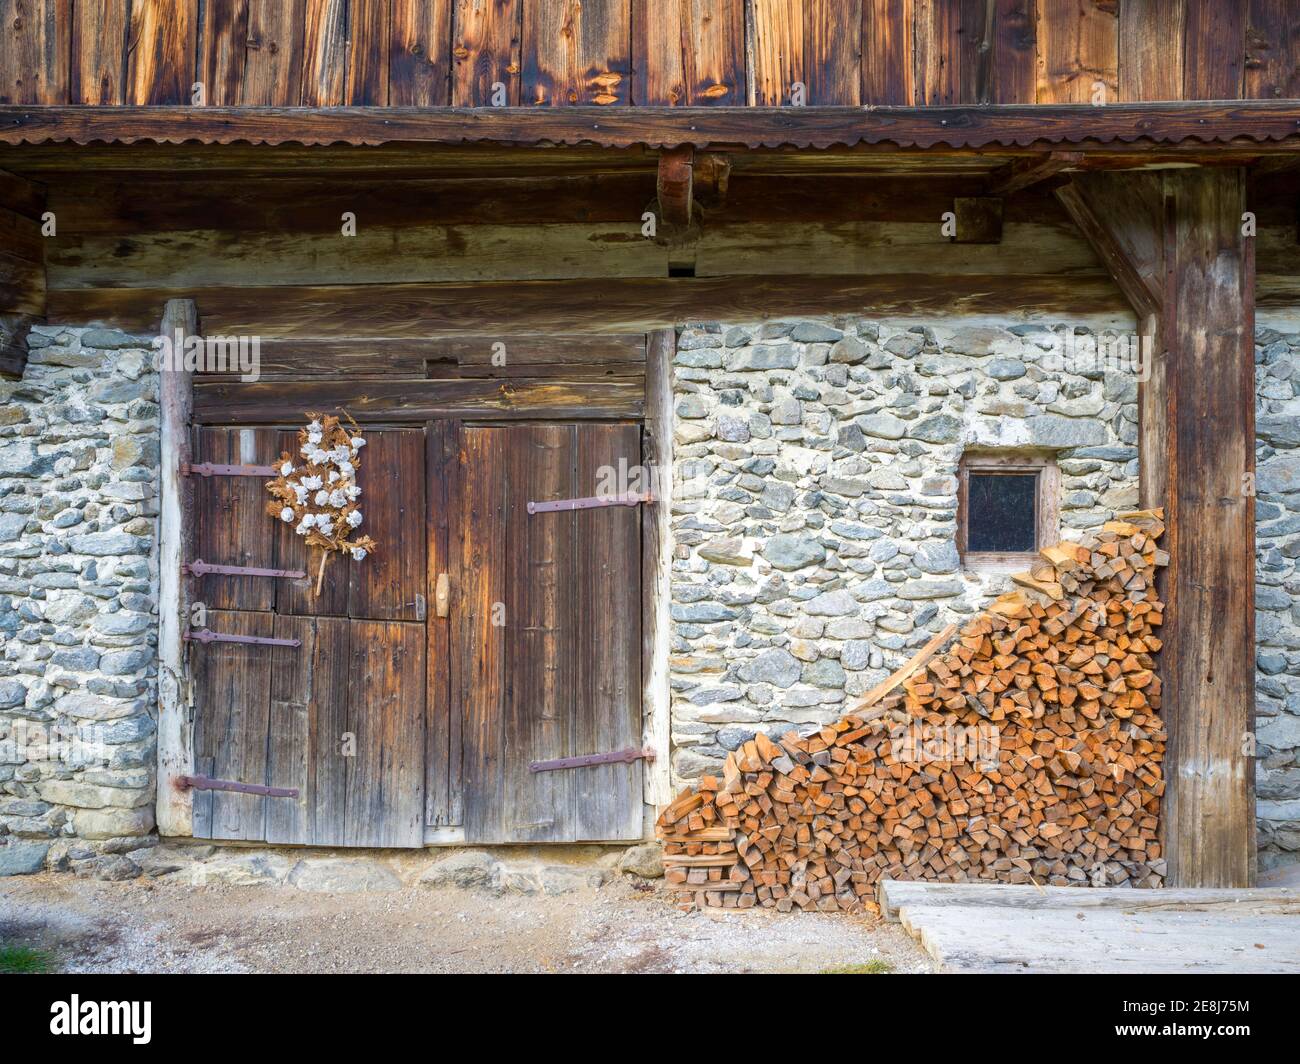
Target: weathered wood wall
x=471 y=53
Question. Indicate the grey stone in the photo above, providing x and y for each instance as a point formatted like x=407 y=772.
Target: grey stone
x=885 y=426
x=342 y=875
x=791 y=552
x=824 y=673
x=831 y=604
x=22 y=858
x=104 y=544
x=778 y=667
x=942 y=428
x=466 y=869
x=937 y=558
x=815 y=333
x=1006 y=369
x=783 y=356
x=849 y=351
x=646 y=861
x=1279 y=475
x=1054 y=430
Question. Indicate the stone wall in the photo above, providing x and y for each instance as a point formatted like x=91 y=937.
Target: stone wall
x=1277 y=618
x=78 y=600
x=815 y=499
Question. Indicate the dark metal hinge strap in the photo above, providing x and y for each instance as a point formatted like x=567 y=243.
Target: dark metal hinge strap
x=199 y=567
x=594 y=502
x=215 y=469
x=629 y=756
x=207 y=783
x=206 y=635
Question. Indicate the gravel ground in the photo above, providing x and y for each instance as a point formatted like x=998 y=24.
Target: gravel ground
x=145 y=926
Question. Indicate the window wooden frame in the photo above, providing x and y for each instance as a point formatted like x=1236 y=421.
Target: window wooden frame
x=1047 y=506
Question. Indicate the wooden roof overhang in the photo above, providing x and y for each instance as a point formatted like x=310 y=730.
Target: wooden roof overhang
x=1260 y=127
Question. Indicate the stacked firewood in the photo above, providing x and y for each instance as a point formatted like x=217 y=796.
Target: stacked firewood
x=1026 y=749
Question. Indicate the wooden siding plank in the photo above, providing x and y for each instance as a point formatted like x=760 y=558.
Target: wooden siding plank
x=1272 y=51
x=325 y=52
x=576 y=54
x=99 y=39
x=385 y=777
x=481 y=590
x=541 y=640
x=688 y=53
x=1150 y=66
x=486 y=52
x=274 y=62
x=419 y=54
x=816 y=43
x=161 y=52
x=34 y=51
x=1014 y=52
x=954 y=50
x=420 y=400
x=1078 y=51
x=232 y=685
x=888 y=55
x=368 y=57
x=606 y=634
x=232 y=525
x=309 y=722
x=443 y=804
x=225 y=49
x=386 y=585
x=1214 y=50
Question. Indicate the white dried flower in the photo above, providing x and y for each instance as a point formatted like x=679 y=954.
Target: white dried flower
x=325 y=525
x=346 y=468
x=358 y=442
x=358 y=554
x=354 y=492
x=286 y=514
x=286 y=469
x=322 y=497
x=311 y=483
x=338 y=497
x=354 y=518
x=333 y=476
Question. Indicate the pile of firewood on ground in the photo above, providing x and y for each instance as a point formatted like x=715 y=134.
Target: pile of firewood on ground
x=1028 y=750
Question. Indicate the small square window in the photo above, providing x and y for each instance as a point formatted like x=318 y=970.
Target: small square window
x=1008 y=507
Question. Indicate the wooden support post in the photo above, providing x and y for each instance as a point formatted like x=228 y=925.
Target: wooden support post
x=1173 y=242
x=656 y=572
x=175 y=521
x=676 y=186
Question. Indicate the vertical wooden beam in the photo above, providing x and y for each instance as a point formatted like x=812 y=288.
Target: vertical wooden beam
x=1173 y=243
x=175 y=810
x=657 y=562
x=1208 y=661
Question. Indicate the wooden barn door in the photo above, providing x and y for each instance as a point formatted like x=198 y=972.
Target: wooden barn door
x=341 y=717
x=547 y=660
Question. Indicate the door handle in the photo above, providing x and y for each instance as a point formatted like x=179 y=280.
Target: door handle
x=442 y=596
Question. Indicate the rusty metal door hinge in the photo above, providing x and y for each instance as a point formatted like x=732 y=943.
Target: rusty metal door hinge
x=199 y=567
x=629 y=756
x=207 y=783
x=594 y=502
x=216 y=469
x=206 y=635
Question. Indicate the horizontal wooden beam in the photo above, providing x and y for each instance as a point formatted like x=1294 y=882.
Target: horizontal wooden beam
x=1269 y=127
x=283 y=402
x=612 y=306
